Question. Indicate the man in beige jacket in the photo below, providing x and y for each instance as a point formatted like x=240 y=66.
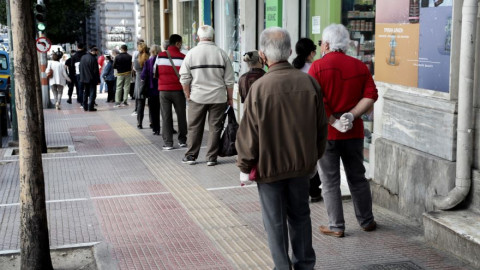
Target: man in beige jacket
x=207 y=81
x=283 y=133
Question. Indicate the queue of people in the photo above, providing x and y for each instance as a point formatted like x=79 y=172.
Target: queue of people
x=300 y=120
x=299 y=125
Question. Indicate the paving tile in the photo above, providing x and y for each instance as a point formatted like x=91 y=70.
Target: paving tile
x=157 y=213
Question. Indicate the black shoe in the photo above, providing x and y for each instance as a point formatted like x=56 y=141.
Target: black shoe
x=316 y=199
x=174 y=131
x=190 y=160
x=92 y=110
x=69 y=101
x=139 y=127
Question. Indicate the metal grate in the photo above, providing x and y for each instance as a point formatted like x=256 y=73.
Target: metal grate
x=406 y=265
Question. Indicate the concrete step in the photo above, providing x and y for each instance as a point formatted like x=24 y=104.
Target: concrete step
x=457 y=232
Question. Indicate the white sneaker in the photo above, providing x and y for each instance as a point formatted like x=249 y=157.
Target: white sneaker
x=167 y=147
x=182 y=145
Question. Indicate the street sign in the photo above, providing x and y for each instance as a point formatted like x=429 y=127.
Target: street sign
x=43 y=44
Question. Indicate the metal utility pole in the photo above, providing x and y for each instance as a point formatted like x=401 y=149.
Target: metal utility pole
x=12 y=78
x=46 y=102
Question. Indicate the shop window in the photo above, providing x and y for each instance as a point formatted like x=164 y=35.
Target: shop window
x=413 y=43
x=188 y=22
x=226 y=25
x=359 y=18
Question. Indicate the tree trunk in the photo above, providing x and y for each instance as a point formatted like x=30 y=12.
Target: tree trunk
x=34 y=242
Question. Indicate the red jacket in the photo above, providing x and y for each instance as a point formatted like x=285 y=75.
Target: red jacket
x=345 y=81
x=167 y=79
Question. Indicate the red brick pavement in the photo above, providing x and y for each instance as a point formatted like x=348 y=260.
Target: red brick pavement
x=155 y=232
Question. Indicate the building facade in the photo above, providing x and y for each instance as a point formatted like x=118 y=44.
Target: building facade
x=115 y=22
x=418 y=145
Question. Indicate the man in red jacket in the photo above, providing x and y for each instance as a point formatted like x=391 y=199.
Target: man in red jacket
x=348 y=92
x=167 y=67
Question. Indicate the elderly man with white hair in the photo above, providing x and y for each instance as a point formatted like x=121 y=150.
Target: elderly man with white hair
x=349 y=92
x=281 y=137
x=207 y=81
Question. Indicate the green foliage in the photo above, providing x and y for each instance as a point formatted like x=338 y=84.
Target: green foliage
x=3 y=12
x=66 y=19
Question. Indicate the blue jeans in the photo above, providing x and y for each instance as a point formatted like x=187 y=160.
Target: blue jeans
x=285 y=211
x=102 y=84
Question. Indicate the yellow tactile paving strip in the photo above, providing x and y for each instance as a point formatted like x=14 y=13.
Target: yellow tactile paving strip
x=220 y=224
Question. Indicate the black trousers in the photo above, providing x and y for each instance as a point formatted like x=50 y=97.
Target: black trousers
x=111 y=90
x=154 y=110
x=71 y=85
x=315 y=183
x=140 y=108
x=90 y=92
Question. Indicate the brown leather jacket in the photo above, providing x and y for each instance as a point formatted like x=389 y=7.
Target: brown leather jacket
x=284 y=128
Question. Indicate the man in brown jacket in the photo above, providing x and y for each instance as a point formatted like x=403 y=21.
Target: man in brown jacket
x=283 y=133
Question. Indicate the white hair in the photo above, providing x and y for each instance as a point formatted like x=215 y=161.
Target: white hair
x=154 y=49
x=205 y=32
x=337 y=37
x=275 y=44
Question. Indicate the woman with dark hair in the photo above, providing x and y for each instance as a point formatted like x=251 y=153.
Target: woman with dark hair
x=306 y=51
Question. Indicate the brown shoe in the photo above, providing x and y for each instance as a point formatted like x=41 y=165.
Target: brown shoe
x=325 y=230
x=370 y=227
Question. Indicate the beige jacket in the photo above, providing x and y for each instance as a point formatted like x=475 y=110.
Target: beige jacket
x=284 y=128
x=209 y=72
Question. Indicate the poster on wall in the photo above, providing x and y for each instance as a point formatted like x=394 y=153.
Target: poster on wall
x=316 y=25
x=413 y=40
x=273 y=13
x=434 y=51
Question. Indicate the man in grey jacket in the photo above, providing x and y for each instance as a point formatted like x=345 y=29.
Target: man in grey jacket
x=207 y=81
x=282 y=134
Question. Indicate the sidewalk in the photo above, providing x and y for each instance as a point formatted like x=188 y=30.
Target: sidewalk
x=118 y=187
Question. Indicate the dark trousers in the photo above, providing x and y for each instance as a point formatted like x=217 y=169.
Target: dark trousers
x=71 y=85
x=285 y=213
x=196 y=124
x=351 y=153
x=140 y=108
x=177 y=99
x=90 y=92
x=111 y=90
x=315 y=183
x=80 y=89
x=154 y=112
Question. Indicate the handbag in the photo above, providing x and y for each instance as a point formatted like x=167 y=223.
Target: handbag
x=229 y=135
